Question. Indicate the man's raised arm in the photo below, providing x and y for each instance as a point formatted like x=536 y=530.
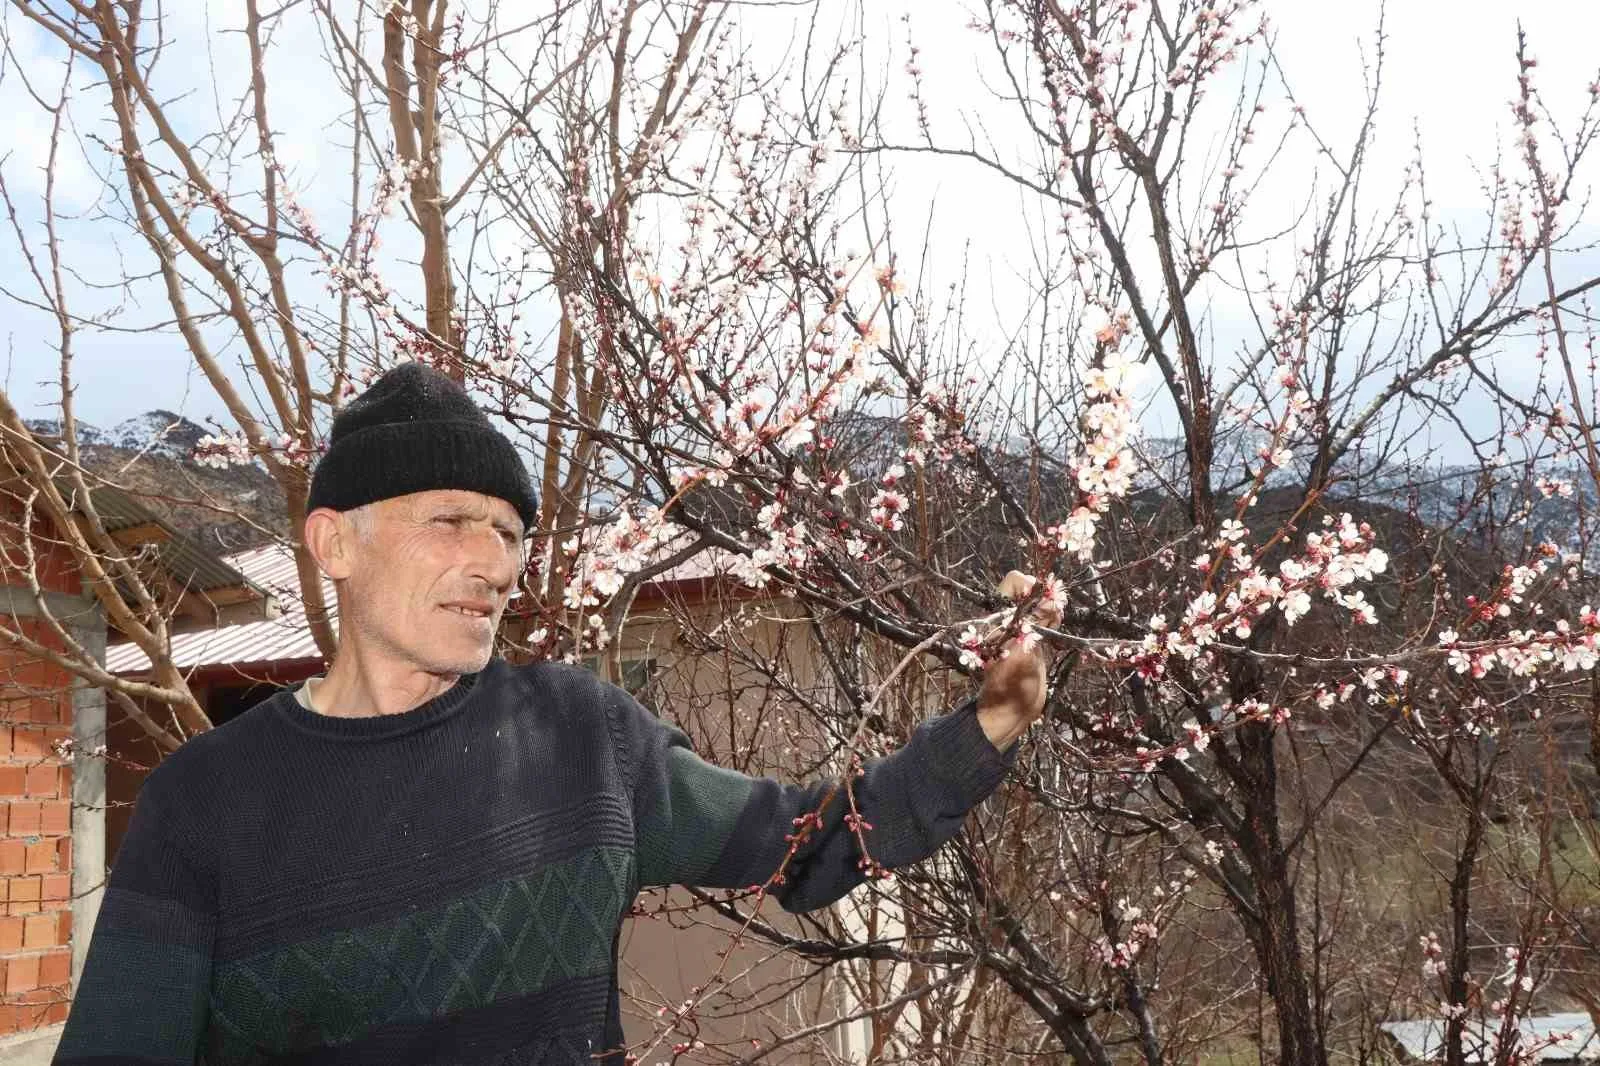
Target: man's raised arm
x=699 y=824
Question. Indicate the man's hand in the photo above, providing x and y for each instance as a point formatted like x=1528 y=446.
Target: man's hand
x=1014 y=686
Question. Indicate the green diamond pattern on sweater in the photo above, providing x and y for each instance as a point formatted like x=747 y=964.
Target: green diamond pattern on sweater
x=506 y=939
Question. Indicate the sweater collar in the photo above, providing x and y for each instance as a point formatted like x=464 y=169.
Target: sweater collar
x=378 y=726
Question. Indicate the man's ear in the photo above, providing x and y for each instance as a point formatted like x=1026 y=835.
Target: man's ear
x=330 y=540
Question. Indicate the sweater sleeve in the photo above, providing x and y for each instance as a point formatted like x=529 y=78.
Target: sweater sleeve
x=698 y=824
x=142 y=998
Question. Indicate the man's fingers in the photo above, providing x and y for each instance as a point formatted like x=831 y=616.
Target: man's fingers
x=1015 y=585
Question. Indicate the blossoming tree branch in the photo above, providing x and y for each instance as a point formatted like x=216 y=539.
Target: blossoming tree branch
x=1289 y=467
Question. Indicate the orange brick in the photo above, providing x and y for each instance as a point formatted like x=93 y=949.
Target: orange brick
x=37 y=673
x=55 y=968
x=24 y=819
x=13 y=780
x=56 y=1013
x=55 y=890
x=42 y=779
x=10 y=1017
x=10 y=934
x=49 y=675
x=25 y=890
x=5 y=734
x=39 y=931
x=46 y=710
x=64 y=853
x=30 y=742
x=66 y=782
x=13 y=857
x=55 y=817
x=64 y=927
x=40 y=856
x=22 y=974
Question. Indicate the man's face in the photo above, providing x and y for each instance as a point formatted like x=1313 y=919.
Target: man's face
x=429 y=575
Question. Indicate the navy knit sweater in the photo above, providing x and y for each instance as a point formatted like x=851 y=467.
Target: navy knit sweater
x=447 y=885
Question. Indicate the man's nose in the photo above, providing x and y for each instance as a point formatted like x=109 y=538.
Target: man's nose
x=494 y=561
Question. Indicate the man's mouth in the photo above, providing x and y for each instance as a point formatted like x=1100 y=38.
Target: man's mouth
x=470 y=610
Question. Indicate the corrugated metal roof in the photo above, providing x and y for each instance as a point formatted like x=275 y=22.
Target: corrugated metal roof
x=271 y=568
x=1558 y=1038
x=117 y=509
x=276 y=640
x=281 y=639
x=190 y=564
x=194 y=567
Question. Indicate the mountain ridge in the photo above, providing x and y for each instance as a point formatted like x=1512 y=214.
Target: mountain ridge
x=151 y=457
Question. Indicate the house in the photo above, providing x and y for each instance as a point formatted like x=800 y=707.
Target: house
x=53 y=807
x=1547 y=1038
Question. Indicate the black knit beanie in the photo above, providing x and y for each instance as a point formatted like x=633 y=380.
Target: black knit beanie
x=414 y=429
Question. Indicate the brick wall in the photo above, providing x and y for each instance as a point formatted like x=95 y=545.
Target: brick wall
x=36 y=850
x=35 y=813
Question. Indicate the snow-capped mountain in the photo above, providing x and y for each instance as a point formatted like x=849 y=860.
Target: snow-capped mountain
x=151 y=456
x=157 y=432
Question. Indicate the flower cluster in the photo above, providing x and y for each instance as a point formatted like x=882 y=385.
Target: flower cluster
x=788 y=543
x=624 y=547
x=1104 y=469
x=1135 y=929
x=1524 y=652
x=933 y=421
x=1433 y=964
x=222 y=450
x=1332 y=562
x=889 y=504
x=1553 y=486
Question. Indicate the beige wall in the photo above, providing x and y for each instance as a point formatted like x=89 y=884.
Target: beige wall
x=736 y=720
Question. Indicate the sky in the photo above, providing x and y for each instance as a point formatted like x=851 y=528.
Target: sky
x=1450 y=75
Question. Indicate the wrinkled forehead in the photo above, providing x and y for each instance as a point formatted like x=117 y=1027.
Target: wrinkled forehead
x=459 y=501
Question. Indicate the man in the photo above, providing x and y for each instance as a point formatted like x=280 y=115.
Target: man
x=426 y=856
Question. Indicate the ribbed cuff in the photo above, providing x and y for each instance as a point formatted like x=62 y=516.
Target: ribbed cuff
x=961 y=753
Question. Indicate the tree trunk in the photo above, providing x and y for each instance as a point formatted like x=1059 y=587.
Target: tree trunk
x=1283 y=968
x=1274 y=932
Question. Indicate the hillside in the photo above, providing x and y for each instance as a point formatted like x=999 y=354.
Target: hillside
x=1498 y=508
x=149 y=456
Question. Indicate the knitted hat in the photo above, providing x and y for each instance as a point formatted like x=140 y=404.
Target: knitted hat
x=414 y=429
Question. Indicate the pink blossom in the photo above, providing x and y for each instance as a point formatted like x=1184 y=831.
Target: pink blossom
x=888 y=507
